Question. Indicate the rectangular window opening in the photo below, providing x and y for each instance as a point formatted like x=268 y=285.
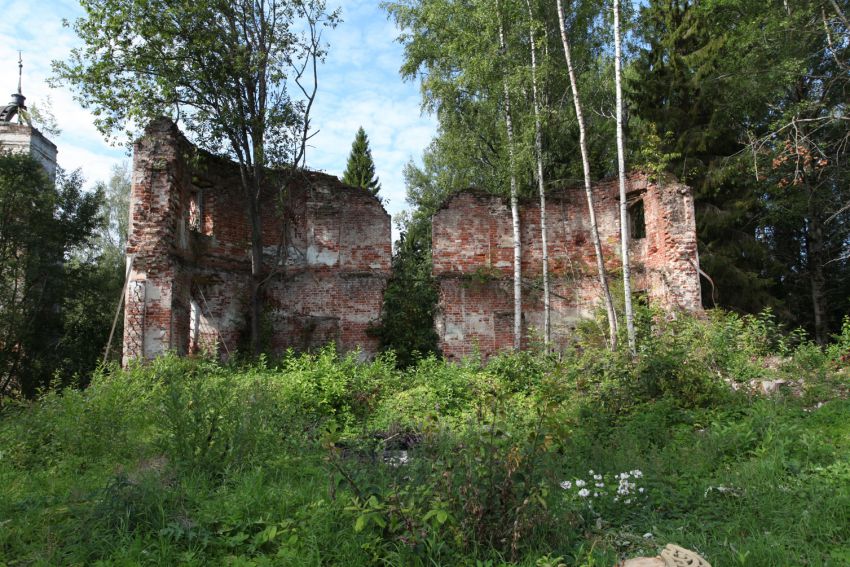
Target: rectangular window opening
x=196 y=210
x=637 y=220
x=194 y=326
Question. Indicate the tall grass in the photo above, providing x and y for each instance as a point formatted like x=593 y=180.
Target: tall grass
x=322 y=460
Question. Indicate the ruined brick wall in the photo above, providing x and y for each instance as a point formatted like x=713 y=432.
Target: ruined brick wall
x=473 y=260
x=189 y=285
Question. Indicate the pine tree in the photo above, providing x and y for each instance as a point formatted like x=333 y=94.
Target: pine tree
x=360 y=170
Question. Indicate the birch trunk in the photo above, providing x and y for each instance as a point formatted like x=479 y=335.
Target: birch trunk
x=585 y=162
x=514 y=204
x=621 y=166
x=538 y=148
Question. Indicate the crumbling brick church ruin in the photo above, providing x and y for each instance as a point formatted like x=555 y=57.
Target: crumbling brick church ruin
x=189 y=269
x=473 y=260
x=189 y=275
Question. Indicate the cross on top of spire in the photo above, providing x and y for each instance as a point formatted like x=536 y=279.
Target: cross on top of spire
x=14 y=108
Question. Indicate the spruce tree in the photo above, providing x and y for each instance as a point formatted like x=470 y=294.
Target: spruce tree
x=360 y=170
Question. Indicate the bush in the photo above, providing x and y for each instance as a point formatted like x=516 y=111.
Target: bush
x=478 y=488
x=322 y=459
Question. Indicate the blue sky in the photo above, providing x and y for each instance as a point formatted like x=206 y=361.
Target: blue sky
x=359 y=85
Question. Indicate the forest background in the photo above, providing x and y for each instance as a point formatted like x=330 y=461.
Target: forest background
x=727 y=432
x=744 y=102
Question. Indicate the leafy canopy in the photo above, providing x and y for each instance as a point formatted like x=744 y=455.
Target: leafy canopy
x=221 y=67
x=41 y=225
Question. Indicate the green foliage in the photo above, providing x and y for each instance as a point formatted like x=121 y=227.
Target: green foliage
x=95 y=280
x=481 y=486
x=651 y=156
x=320 y=459
x=453 y=50
x=41 y=116
x=360 y=169
x=227 y=86
x=41 y=225
x=745 y=102
x=410 y=300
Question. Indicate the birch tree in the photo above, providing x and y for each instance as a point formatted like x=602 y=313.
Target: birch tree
x=517 y=243
x=585 y=162
x=541 y=185
x=466 y=56
x=621 y=171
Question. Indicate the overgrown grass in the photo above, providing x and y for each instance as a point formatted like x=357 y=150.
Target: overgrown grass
x=321 y=460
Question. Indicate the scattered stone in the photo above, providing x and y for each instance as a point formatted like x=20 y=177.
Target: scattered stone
x=675 y=556
x=728 y=490
x=772 y=386
x=396 y=459
x=643 y=562
x=671 y=556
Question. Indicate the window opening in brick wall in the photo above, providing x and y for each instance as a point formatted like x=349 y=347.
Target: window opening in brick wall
x=194 y=326
x=196 y=210
x=637 y=220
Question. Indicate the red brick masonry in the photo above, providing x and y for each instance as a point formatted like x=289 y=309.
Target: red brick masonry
x=473 y=261
x=189 y=244
x=190 y=275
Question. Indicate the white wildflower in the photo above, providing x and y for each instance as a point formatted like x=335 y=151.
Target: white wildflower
x=600 y=485
x=722 y=490
x=584 y=493
x=580 y=483
x=566 y=485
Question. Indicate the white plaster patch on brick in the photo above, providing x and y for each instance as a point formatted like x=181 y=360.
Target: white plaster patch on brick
x=453 y=332
x=318 y=256
x=314 y=299
x=155 y=343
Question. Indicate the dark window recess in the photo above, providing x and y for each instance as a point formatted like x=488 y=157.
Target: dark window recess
x=637 y=220
x=196 y=211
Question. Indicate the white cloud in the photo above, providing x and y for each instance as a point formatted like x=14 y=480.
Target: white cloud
x=95 y=166
x=360 y=86
x=42 y=38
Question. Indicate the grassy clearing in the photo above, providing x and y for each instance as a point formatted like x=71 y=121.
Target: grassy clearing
x=320 y=460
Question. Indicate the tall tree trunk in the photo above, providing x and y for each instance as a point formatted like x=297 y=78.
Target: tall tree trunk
x=256 y=277
x=814 y=240
x=250 y=185
x=538 y=148
x=514 y=202
x=585 y=162
x=621 y=166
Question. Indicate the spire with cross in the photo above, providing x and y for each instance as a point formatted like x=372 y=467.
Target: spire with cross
x=14 y=108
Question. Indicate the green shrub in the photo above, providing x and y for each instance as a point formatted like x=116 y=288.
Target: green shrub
x=187 y=461
x=432 y=388
x=477 y=488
